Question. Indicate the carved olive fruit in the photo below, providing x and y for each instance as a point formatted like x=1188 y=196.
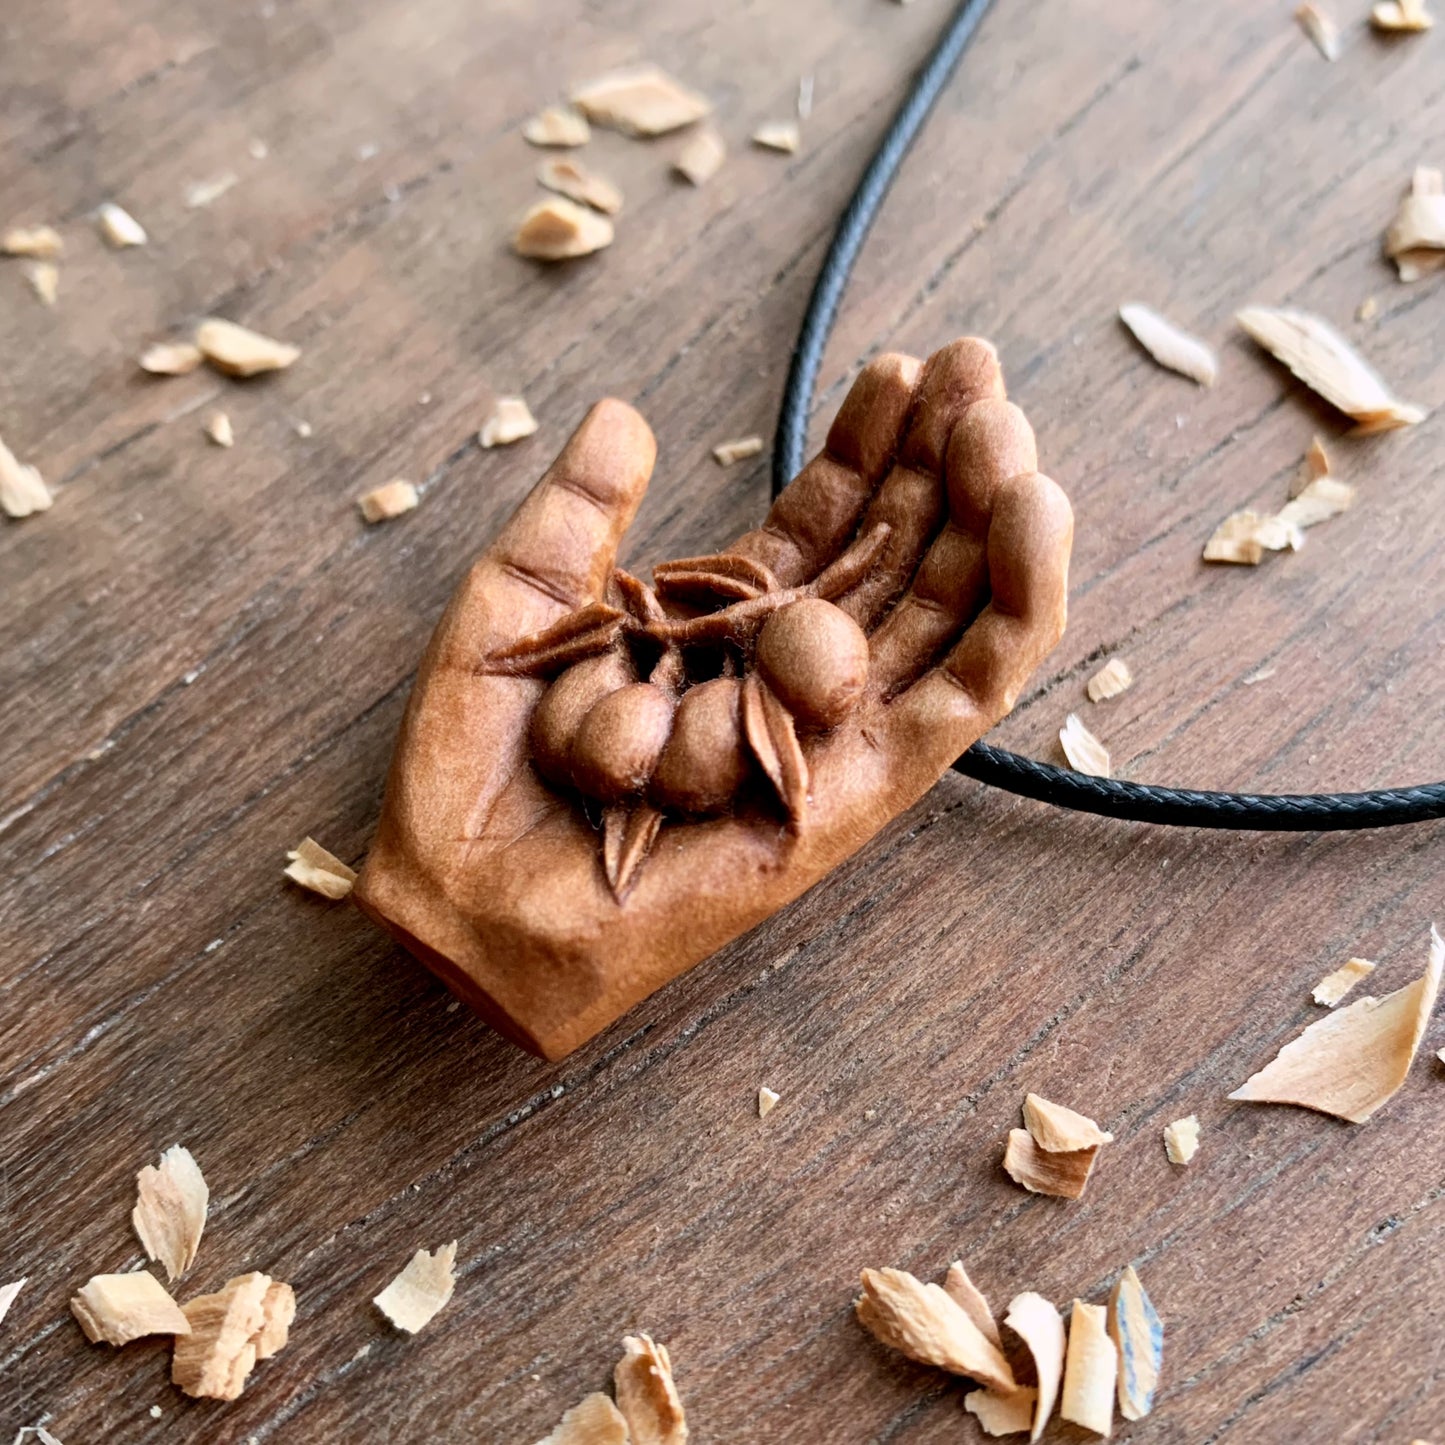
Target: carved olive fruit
x=569 y=699
x=815 y=658
x=620 y=740
x=705 y=761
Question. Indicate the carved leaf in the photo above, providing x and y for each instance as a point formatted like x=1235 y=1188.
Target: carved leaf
x=583 y=633
x=706 y=579
x=636 y=598
x=627 y=838
x=773 y=739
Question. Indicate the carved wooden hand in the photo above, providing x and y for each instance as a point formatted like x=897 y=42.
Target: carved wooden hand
x=599 y=783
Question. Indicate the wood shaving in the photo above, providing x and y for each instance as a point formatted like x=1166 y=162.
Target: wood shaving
x=119 y=228
x=171 y=358
x=767 y=1101
x=1138 y=1335
x=1060 y=1130
x=805 y=96
x=646 y=1393
x=779 y=135
x=1181 y=1139
x=1317 y=502
x=1062 y=1176
x=1110 y=680
x=1002 y=1414
x=1262 y=674
x=558 y=230
x=415 y=1296
x=1322 y=31
x=170 y=1210
x=44 y=279
x=510 y=421
x=1367 y=310
x=1401 y=16
x=383 y=503
x=119 y=1308
x=1170 y=345
x=1317 y=460
x=238 y=351
x=1334 y=986
x=727 y=453
x=8 y=1293
x=202 y=193
x=557 y=126
x=1086 y=754
x=1416 y=238
x=1090 y=1370
x=1244 y=538
x=41 y=243
x=218 y=428
x=569 y=179
x=643 y=101
x=970 y=1299
x=594 y=1421
x=246 y=1320
x=1041 y=1327
x=1321 y=358
x=278 y=1311
x=22 y=489
x=702 y=157
x=313 y=867
x=1351 y=1062
x=42 y=1435
x=925 y=1323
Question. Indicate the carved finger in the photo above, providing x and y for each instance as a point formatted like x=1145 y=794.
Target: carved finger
x=992 y=443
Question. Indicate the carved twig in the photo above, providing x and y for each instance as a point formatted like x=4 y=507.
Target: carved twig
x=627 y=838
x=770 y=732
x=852 y=566
x=584 y=633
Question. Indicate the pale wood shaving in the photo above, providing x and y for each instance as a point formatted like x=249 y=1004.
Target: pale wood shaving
x=779 y=135
x=239 y=351
x=1170 y=345
x=1354 y=1060
x=415 y=1296
x=643 y=101
x=1262 y=674
x=41 y=243
x=559 y=230
x=1322 y=31
x=8 y=1293
x=1317 y=502
x=1181 y=1139
x=557 y=126
x=1334 y=986
x=227 y=1329
x=970 y=1299
x=1244 y=538
x=575 y=181
x=203 y=193
x=647 y=1394
x=383 y=503
x=701 y=157
x=510 y=421
x=767 y=1101
x=1367 y=310
x=805 y=96
x=170 y=1210
x=119 y=228
x=42 y=1435
x=923 y=1322
x=1090 y=1370
x=1041 y=1327
x=1416 y=238
x=278 y=1311
x=1060 y=1175
x=218 y=428
x=22 y=489
x=1086 y=754
x=1110 y=680
x=1002 y=1414
x=1138 y=1335
x=595 y=1420
x=313 y=867
x=728 y=453
x=1060 y=1130
x=44 y=279
x=171 y=358
x=1401 y=16
x=1317 y=460
x=1321 y=358
x=119 y=1308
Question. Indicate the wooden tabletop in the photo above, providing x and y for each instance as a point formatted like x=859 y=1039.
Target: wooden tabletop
x=206 y=656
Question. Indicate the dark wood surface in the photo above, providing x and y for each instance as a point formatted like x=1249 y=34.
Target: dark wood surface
x=206 y=656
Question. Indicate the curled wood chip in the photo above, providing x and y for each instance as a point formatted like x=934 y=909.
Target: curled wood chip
x=22 y=489
x=1181 y=1139
x=1401 y=15
x=170 y=1210
x=1002 y=1414
x=646 y=1394
x=923 y=1322
x=1138 y=1336
x=238 y=351
x=510 y=421
x=44 y=279
x=1367 y=310
x=568 y=178
x=413 y=1298
x=1061 y=1130
x=383 y=503
x=1321 y=358
x=1086 y=754
x=969 y=1298
x=778 y=135
x=726 y=453
x=171 y=358
x=1317 y=502
x=1317 y=461
x=1110 y=680
x=119 y=1308
x=42 y=243
x=313 y=867
x=228 y=1329
x=202 y=193
x=1334 y=986
x=218 y=428
x=1061 y=1175
x=1170 y=345
x=593 y=1421
x=557 y=126
x=119 y=228
x=1351 y=1062
x=1041 y=1327
x=558 y=230
x=1090 y=1370
x=1416 y=238
x=8 y=1293
x=642 y=101
x=1244 y=537
x=701 y=157
x=767 y=1101
x=1322 y=31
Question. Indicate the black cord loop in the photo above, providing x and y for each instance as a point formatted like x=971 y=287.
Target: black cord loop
x=1111 y=797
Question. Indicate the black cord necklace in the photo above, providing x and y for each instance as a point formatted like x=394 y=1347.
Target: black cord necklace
x=1182 y=807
